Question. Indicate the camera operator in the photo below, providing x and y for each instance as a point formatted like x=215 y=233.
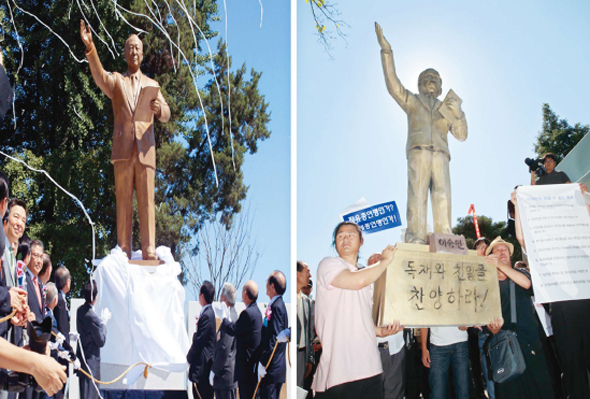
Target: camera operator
x=551 y=176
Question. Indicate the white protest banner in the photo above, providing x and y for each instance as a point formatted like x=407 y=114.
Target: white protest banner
x=544 y=318
x=556 y=228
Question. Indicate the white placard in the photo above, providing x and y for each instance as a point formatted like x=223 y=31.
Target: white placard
x=544 y=318
x=556 y=228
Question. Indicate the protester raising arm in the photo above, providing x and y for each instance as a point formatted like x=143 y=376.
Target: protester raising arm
x=343 y=319
x=512 y=274
x=395 y=327
x=358 y=279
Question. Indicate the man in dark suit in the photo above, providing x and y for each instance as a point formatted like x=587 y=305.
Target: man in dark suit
x=36 y=299
x=93 y=334
x=305 y=353
x=14 y=224
x=224 y=362
x=200 y=355
x=34 y=286
x=62 y=313
x=50 y=307
x=273 y=371
x=247 y=331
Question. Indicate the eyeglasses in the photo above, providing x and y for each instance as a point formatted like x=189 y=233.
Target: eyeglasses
x=37 y=256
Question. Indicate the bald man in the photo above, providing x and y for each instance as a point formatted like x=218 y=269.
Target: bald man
x=275 y=321
x=247 y=330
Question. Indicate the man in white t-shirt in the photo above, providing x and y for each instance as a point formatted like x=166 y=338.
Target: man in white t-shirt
x=448 y=348
x=393 y=357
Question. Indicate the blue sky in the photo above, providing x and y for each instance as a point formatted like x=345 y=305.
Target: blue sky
x=267 y=173
x=503 y=58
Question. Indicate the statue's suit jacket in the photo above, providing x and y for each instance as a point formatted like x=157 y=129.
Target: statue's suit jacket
x=427 y=128
x=117 y=87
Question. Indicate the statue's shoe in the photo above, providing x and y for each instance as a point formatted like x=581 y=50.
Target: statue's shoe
x=150 y=254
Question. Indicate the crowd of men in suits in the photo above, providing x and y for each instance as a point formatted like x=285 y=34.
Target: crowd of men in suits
x=246 y=354
x=29 y=285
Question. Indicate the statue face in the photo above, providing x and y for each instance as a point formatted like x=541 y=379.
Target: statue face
x=133 y=52
x=430 y=83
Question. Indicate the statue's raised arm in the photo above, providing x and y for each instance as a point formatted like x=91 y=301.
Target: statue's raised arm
x=134 y=146
x=86 y=35
x=429 y=123
x=394 y=86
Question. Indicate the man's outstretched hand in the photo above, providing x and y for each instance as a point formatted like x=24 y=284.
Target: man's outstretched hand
x=85 y=34
x=381 y=39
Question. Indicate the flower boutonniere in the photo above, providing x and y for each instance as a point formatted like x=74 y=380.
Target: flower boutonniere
x=20 y=272
x=267 y=314
x=44 y=292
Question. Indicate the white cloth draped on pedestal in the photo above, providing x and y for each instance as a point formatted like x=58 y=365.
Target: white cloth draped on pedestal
x=148 y=313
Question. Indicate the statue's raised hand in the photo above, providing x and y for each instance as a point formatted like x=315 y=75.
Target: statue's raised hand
x=85 y=34
x=381 y=39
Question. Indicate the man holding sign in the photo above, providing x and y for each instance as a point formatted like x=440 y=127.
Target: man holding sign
x=555 y=226
x=136 y=99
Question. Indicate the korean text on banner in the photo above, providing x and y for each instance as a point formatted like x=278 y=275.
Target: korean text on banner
x=375 y=218
x=436 y=289
x=556 y=228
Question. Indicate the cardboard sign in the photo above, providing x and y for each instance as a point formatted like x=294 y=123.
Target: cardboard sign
x=422 y=289
x=375 y=218
x=448 y=244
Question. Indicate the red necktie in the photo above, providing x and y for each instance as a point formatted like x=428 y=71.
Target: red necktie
x=38 y=292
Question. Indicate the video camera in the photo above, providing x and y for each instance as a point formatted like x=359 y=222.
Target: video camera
x=536 y=165
x=39 y=334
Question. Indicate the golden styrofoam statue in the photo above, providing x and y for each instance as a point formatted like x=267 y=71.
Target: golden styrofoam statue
x=134 y=146
x=427 y=150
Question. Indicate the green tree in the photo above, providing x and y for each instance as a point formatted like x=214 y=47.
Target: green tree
x=557 y=135
x=487 y=228
x=64 y=122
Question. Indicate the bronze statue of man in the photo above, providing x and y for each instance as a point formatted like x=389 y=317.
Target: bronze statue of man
x=134 y=146
x=427 y=149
